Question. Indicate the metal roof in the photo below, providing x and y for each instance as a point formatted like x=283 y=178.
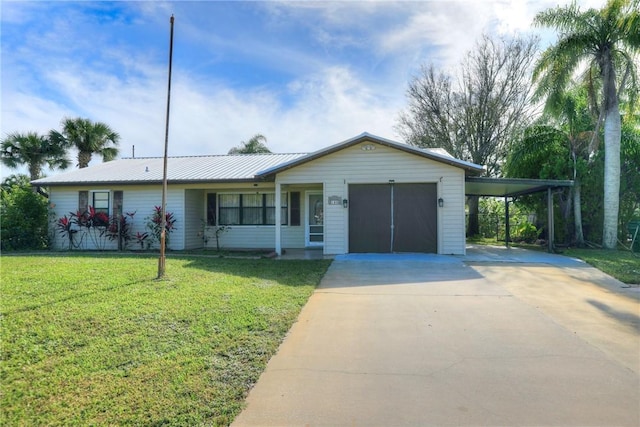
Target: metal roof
x=146 y=170
x=437 y=154
x=226 y=168
x=510 y=187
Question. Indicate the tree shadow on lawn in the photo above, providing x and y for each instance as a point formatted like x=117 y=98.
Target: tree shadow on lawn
x=74 y=296
x=284 y=272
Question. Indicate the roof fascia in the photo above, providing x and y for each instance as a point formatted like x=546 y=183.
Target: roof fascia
x=138 y=183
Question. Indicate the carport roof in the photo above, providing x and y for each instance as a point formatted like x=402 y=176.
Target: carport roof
x=510 y=187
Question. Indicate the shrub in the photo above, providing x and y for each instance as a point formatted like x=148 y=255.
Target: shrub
x=23 y=219
x=119 y=229
x=154 y=224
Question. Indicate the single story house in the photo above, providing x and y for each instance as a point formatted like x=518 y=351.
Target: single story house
x=365 y=194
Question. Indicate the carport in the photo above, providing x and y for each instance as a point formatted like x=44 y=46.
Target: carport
x=514 y=187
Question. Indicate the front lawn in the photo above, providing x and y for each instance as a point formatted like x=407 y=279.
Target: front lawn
x=95 y=340
x=623 y=265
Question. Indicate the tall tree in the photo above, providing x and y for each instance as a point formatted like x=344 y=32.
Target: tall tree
x=609 y=39
x=550 y=150
x=88 y=138
x=473 y=115
x=33 y=150
x=568 y=114
x=257 y=144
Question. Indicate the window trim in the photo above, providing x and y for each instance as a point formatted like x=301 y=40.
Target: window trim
x=263 y=207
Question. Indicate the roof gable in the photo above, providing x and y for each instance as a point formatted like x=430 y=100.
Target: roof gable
x=438 y=154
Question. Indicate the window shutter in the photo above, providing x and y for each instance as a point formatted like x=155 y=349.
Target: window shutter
x=117 y=203
x=83 y=201
x=295 y=208
x=211 y=208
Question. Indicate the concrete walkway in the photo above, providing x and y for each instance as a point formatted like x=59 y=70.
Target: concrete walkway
x=419 y=340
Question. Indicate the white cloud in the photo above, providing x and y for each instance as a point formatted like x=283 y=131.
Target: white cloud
x=328 y=106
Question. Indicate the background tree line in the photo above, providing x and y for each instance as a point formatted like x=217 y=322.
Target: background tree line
x=485 y=113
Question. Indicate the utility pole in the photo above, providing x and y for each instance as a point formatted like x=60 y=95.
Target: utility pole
x=163 y=220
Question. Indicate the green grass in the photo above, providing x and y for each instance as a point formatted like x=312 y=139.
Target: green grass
x=623 y=265
x=95 y=340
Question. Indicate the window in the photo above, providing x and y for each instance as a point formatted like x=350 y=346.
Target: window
x=250 y=209
x=101 y=201
x=229 y=209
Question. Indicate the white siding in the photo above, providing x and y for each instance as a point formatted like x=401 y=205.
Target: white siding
x=142 y=200
x=138 y=199
x=195 y=216
x=353 y=165
x=62 y=202
x=256 y=237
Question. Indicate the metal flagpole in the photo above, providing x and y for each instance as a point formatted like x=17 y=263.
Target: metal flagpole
x=163 y=220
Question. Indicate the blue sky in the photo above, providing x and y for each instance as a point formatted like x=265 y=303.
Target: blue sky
x=304 y=74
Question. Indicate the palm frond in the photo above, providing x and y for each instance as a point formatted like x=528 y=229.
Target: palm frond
x=554 y=70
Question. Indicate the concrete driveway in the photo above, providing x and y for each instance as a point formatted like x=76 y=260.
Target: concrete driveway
x=499 y=337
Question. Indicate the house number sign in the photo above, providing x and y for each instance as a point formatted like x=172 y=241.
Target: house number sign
x=335 y=200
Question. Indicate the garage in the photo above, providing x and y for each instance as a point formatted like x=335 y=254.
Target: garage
x=393 y=218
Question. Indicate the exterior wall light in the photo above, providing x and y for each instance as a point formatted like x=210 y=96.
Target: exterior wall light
x=441 y=202
x=345 y=203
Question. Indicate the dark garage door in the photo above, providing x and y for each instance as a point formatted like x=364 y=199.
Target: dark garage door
x=393 y=218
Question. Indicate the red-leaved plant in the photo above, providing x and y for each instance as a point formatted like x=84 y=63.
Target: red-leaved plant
x=154 y=224
x=120 y=229
x=65 y=228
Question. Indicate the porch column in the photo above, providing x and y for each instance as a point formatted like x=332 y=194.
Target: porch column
x=278 y=218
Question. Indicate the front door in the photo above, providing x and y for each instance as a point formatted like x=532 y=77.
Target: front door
x=315 y=220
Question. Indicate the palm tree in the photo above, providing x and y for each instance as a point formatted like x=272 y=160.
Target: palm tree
x=88 y=138
x=257 y=144
x=33 y=150
x=609 y=39
x=560 y=144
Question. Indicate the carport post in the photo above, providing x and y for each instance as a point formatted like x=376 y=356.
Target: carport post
x=507 y=232
x=550 y=230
